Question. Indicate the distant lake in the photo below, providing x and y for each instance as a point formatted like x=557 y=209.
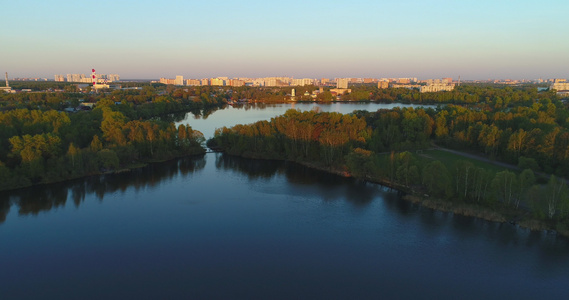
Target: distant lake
x=222 y=227
x=251 y=113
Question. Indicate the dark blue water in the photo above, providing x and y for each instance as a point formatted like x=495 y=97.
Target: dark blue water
x=219 y=227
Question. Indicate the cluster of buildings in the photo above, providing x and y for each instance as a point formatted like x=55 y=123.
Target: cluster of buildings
x=431 y=85
x=424 y=86
x=82 y=78
x=278 y=81
x=437 y=85
x=337 y=85
x=561 y=86
x=237 y=82
x=29 y=79
x=511 y=81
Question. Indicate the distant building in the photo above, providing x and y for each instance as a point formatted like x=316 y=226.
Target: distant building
x=113 y=77
x=342 y=83
x=406 y=86
x=272 y=81
x=236 y=82
x=179 y=80
x=560 y=85
x=296 y=82
x=340 y=91
x=302 y=82
x=218 y=81
x=277 y=81
x=193 y=82
x=100 y=86
x=258 y=82
x=382 y=84
x=167 y=81
x=437 y=87
x=77 y=78
x=100 y=78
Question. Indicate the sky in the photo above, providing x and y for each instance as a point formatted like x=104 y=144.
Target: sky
x=474 y=39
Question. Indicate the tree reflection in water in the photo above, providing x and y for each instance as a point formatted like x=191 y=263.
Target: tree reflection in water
x=31 y=201
x=329 y=186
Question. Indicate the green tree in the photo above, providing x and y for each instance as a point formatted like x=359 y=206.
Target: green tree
x=462 y=171
x=108 y=159
x=505 y=186
x=437 y=180
x=407 y=170
x=72 y=151
x=96 y=144
x=556 y=195
x=528 y=163
x=525 y=181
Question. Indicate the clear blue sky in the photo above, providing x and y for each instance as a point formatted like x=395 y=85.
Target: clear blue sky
x=477 y=39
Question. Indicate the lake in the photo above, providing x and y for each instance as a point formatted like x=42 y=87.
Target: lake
x=222 y=227
x=253 y=112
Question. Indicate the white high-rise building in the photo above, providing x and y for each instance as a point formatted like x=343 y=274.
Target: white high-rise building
x=179 y=80
x=342 y=83
x=297 y=82
x=113 y=77
x=218 y=81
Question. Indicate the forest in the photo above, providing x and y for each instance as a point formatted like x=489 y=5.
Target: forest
x=520 y=127
x=42 y=142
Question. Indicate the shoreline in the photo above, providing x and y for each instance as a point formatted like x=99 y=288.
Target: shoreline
x=515 y=217
x=125 y=169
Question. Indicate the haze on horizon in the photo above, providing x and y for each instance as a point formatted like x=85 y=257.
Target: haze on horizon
x=253 y=38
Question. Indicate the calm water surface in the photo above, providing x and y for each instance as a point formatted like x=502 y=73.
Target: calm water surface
x=250 y=113
x=218 y=227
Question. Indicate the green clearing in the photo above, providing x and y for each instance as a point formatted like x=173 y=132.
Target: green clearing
x=448 y=159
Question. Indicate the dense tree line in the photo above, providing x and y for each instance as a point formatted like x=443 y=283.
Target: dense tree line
x=493 y=96
x=483 y=95
x=536 y=135
x=46 y=145
x=306 y=136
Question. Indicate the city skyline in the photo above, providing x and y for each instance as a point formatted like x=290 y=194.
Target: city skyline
x=319 y=39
